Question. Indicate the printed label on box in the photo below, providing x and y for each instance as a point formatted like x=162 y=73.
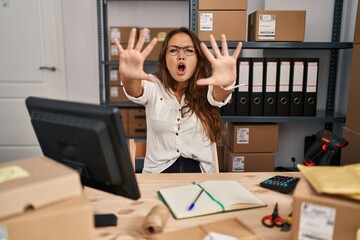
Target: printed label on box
x=206 y=22
x=267 y=25
x=148 y=37
x=113 y=75
x=242 y=136
x=114 y=50
x=114 y=92
x=115 y=33
x=4 y=233
x=11 y=173
x=316 y=222
x=161 y=36
x=238 y=164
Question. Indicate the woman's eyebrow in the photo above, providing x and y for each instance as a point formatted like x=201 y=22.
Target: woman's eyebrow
x=181 y=46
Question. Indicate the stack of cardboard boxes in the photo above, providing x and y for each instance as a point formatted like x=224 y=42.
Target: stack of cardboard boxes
x=351 y=131
x=222 y=17
x=250 y=147
x=134 y=122
x=43 y=200
x=329 y=216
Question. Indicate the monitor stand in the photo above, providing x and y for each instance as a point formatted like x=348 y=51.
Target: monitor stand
x=105 y=220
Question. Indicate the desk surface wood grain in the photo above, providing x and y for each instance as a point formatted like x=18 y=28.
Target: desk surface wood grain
x=131 y=214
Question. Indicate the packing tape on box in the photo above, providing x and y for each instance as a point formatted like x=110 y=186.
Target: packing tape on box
x=156 y=220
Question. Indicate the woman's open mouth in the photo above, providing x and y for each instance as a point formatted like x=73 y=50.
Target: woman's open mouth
x=181 y=69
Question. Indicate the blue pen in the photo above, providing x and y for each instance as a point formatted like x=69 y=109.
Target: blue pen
x=192 y=205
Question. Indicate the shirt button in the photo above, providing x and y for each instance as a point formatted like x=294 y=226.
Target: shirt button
x=178 y=119
x=161 y=99
x=177 y=134
x=178 y=150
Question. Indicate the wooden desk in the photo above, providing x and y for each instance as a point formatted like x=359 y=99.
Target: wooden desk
x=131 y=213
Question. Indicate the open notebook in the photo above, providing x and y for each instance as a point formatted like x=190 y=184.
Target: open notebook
x=218 y=196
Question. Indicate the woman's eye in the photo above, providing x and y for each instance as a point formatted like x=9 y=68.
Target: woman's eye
x=189 y=50
x=173 y=50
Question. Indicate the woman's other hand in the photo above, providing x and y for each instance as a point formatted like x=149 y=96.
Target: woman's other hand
x=224 y=65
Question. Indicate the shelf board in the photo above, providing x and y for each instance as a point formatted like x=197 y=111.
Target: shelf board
x=291 y=45
x=319 y=118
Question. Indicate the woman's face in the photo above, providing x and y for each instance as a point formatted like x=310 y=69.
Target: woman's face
x=181 y=58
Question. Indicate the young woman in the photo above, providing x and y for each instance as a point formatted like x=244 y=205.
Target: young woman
x=181 y=100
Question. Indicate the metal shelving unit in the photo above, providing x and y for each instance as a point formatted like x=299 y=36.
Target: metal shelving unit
x=328 y=116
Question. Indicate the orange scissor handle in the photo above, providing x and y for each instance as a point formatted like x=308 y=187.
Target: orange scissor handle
x=271 y=221
x=274 y=219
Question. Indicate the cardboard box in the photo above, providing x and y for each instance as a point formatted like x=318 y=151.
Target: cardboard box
x=117 y=94
x=353 y=113
x=220 y=148
x=160 y=33
x=271 y=25
x=248 y=162
x=137 y=122
x=69 y=219
x=114 y=77
x=322 y=216
x=357 y=26
x=230 y=23
x=34 y=183
x=231 y=227
x=350 y=154
x=222 y=5
x=122 y=34
x=251 y=137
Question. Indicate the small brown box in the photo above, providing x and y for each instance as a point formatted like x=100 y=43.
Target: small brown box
x=230 y=23
x=248 y=162
x=114 y=77
x=223 y=5
x=281 y=25
x=68 y=219
x=117 y=94
x=251 y=138
x=357 y=26
x=316 y=215
x=122 y=34
x=353 y=113
x=137 y=122
x=160 y=34
x=35 y=182
x=350 y=154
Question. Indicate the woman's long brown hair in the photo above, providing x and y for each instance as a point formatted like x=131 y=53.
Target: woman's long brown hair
x=195 y=96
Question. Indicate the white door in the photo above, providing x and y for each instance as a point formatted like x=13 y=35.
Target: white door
x=31 y=64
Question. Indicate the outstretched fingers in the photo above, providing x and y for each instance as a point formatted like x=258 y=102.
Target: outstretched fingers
x=237 y=51
x=224 y=45
x=132 y=39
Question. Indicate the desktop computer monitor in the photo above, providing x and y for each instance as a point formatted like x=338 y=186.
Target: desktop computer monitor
x=88 y=138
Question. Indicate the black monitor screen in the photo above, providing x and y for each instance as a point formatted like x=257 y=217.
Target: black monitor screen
x=88 y=138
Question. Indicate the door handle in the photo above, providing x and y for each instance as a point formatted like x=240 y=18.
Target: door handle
x=53 y=69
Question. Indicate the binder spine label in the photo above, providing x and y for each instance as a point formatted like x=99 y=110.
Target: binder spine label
x=298 y=77
x=257 y=85
x=284 y=77
x=271 y=77
x=312 y=77
x=244 y=76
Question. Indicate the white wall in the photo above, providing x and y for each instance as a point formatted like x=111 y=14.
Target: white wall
x=81 y=50
x=80 y=30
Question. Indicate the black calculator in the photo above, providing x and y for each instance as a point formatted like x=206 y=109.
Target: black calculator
x=283 y=184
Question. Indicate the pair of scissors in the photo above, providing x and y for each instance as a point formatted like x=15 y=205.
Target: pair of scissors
x=273 y=220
